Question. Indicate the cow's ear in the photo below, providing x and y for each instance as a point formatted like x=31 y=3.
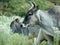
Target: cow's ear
x=37 y=6
x=33 y=5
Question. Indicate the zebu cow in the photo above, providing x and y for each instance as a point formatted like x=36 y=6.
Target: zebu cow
x=46 y=20
x=17 y=28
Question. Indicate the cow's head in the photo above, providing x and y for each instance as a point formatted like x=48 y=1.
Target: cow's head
x=30 y=18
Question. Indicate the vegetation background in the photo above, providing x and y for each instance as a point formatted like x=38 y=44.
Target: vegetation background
x=9 y=10
x=20 y=7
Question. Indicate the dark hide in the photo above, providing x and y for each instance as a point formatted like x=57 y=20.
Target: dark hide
x=17 y=28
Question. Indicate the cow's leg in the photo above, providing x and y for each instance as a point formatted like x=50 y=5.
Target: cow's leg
x=39 y=38
x=49 y=42
x=48 y=38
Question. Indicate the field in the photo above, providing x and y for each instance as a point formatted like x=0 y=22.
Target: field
x=9 y=38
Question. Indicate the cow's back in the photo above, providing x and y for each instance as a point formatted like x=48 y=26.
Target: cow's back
x=55 y=13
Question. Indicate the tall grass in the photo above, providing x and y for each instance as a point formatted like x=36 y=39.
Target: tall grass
x=57 y=38
x=14 y=39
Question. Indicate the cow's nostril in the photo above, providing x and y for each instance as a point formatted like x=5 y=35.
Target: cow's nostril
x=21 y=25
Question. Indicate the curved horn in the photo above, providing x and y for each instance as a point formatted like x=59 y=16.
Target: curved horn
x=33 y=5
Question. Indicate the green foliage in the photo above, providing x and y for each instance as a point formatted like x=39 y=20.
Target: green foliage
x=17 y=39
x=20 y=7
x=14 y=39
x=3 y=38
x=55 y=1
x=43 y=4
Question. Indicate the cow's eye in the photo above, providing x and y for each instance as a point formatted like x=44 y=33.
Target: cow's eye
x=30 y=13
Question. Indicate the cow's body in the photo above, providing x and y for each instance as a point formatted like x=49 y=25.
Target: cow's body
x=46 y=29
x=46 y=20
x=55 y=13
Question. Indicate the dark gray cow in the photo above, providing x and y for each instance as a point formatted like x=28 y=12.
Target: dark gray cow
x=15 y=26
x=46 y=20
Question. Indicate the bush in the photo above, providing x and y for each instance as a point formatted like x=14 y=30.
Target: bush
x=20 y=7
